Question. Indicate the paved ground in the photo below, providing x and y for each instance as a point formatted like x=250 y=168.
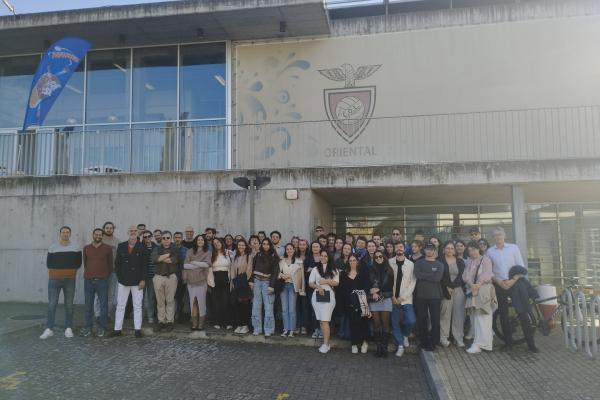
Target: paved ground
x=175 y=367
x=555 y=373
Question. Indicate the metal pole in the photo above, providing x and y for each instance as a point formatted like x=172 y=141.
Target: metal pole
x=252 y=189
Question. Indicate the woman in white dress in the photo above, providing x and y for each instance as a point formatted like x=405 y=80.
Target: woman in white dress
x=323 y=279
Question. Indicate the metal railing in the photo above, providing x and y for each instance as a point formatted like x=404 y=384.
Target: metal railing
x=581 y=322
x=113 y=151
x=495 y=136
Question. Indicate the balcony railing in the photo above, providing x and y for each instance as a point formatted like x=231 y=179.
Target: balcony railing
x=536 y=134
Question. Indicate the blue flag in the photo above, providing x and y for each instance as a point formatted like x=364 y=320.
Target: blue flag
x=56 y=68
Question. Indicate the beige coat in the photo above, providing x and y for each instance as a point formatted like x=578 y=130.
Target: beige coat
x=297 y=277
x=485 y=300
x=407 y=286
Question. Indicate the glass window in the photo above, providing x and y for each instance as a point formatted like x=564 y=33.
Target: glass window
x=202 y=81
x=16 y=74
x=68 y=107
x=155 y=84
x=203 y=145
x=108 y=87
x=106 y=149
x=154 y=147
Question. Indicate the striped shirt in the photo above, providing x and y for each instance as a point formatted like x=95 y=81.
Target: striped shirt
x=63 y=261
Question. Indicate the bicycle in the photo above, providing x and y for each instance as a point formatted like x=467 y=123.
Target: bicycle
x=537 y=320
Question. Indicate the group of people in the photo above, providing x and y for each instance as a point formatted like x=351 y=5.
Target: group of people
x=361 y=288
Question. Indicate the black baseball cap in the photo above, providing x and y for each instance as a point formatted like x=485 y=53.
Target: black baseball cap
x=429 y=246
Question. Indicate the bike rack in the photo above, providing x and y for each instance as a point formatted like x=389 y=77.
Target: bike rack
x=595 y=317
x=582 y=321
x=569 y=325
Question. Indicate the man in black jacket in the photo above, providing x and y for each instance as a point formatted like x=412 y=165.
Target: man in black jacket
x=130 y=266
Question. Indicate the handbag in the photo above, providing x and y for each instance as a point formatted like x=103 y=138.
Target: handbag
x=323 y=298
x=240 y=281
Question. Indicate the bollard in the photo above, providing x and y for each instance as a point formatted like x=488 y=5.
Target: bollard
x=568 y=320
x=594 y=318
x=583 y=332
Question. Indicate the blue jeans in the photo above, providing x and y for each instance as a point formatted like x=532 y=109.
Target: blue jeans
x=91 y=287
x=54 y=288
x=261 y=295
x=288 y=306
x=399 y=331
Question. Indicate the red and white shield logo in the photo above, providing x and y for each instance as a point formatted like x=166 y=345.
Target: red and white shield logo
x=350 y=110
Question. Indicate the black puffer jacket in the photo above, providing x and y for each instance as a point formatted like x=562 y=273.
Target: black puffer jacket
x=266 y=264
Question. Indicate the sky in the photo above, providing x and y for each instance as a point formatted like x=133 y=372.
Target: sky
x=32 y=6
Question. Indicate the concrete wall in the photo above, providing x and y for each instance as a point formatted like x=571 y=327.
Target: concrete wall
x=467 y=77
x=33 y=209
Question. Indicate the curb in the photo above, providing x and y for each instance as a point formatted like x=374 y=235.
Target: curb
x=433 y=376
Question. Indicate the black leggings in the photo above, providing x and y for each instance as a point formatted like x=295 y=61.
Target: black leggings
x=220 y=299
x=381 y=322
x=359 y=328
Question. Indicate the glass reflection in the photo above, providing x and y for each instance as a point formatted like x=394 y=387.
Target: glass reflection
x=108 y=86
x=155 y=84
x=202 y=81
x=106 y=149
x=16 y=74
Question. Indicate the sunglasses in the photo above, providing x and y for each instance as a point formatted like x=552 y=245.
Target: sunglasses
x=166 y=237
x=380 y=257
x=396 y=234
x=147 y=236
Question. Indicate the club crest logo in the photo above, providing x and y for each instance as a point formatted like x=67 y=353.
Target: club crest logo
x=350 y=109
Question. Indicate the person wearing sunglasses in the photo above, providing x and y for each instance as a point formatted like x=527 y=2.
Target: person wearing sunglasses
x=381 y=278
x=166 y=260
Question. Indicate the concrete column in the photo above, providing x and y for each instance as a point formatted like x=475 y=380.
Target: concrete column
x=519 y=220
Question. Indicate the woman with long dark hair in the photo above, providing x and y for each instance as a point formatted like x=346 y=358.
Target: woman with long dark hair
x=292 y=275
x=452 y=314
x=221 y=266
x=229 y=243
x=241 y=270
x=195 y=274
x=310 y=263
x=265 y=271
x=337 y=249
x=381 y=278
x=354 y=279
x=323 y=278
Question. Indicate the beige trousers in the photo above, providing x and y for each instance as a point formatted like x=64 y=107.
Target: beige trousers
x=165 y=288
x=452 y=315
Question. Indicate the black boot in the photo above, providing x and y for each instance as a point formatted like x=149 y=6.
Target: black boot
x=377 y=338
x=385 y=337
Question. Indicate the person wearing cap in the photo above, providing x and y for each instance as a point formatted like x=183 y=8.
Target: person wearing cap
x=429 y=272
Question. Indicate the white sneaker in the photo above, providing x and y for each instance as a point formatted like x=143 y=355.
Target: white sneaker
x=324 y=348
x=364 y=347
x=237 y=330
x=406 y=342
x=474 y=350
x=217 y=326
x=354 y=349
x=69 y=333
x=291 y=334
x=229 y=327
x=284 y=334
x=255 y=333
x=47 y=333
x=460 y=343
x=445 y=342
x=243 y=330
x=400 y=351
x=315 y=334
x=268 y=334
